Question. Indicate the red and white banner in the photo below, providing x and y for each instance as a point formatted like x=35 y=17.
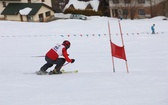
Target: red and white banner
x=117 y=51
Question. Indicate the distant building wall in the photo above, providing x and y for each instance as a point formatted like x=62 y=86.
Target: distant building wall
x=43 y=11
x=13 y=17
x=47 y=2
x=132 y=8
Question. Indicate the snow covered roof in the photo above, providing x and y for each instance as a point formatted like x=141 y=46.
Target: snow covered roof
x=14 y=8
x=25 y=11
x=82 y=5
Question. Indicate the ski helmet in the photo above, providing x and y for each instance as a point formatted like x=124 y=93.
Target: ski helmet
x=66 y=43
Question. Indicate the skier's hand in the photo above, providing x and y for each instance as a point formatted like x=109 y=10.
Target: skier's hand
x=73 y=60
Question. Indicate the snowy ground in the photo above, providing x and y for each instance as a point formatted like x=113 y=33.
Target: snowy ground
x=95 y=84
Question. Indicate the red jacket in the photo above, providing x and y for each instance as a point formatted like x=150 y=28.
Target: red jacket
x=56 y=51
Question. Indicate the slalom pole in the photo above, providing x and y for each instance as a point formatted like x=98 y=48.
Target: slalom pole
x=110 y=46
x=123 y=44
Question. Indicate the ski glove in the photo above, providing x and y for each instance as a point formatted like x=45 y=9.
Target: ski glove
x=73 y=60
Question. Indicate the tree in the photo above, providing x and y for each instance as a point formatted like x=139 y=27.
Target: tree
x=166 y=8
x=159 y=7
x=104 y=7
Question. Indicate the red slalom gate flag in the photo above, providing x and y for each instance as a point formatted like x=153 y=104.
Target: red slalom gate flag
x=117 y=51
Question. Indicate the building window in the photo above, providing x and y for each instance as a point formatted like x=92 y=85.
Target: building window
x=29 y=18
x=125 y=11
x=4 y=4
x=48 y=13
x=141 y=1
x=42 y=0
x=29 y=1
x=41 y=18
x=115 y=1
x=141 y=12
x=127 y=1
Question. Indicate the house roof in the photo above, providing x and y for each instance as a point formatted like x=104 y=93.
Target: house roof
x=83 y=5
x=14 y=8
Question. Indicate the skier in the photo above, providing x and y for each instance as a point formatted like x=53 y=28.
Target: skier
x=52 y=57
x=153 y=29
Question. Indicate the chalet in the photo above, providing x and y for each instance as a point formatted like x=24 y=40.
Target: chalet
x=26 y=12
x=4 y=4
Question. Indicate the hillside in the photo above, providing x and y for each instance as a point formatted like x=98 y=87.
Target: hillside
x=96 y=84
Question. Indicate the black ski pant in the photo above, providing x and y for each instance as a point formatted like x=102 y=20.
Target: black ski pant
x=59 y=63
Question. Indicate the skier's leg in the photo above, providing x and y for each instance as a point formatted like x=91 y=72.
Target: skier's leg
x=48 y=64
x=59 y=63
x=153 y=31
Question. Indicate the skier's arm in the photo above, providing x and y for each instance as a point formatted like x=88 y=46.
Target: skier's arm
x=66 y=55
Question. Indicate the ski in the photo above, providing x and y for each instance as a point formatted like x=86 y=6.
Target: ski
x=73 y=71
x=63 y=72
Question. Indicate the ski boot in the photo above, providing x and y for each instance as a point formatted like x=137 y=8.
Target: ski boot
x=40 y=72
x=55 y=72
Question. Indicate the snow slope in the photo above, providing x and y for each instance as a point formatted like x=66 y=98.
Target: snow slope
x=95 y=84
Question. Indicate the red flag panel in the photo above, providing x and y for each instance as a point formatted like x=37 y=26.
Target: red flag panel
x=117 y=51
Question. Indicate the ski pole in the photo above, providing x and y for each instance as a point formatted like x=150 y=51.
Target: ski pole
x=65 y=64
x=38 y=56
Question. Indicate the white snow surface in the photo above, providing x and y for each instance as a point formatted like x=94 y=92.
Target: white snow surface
x=25 y=11
x=96 y=84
